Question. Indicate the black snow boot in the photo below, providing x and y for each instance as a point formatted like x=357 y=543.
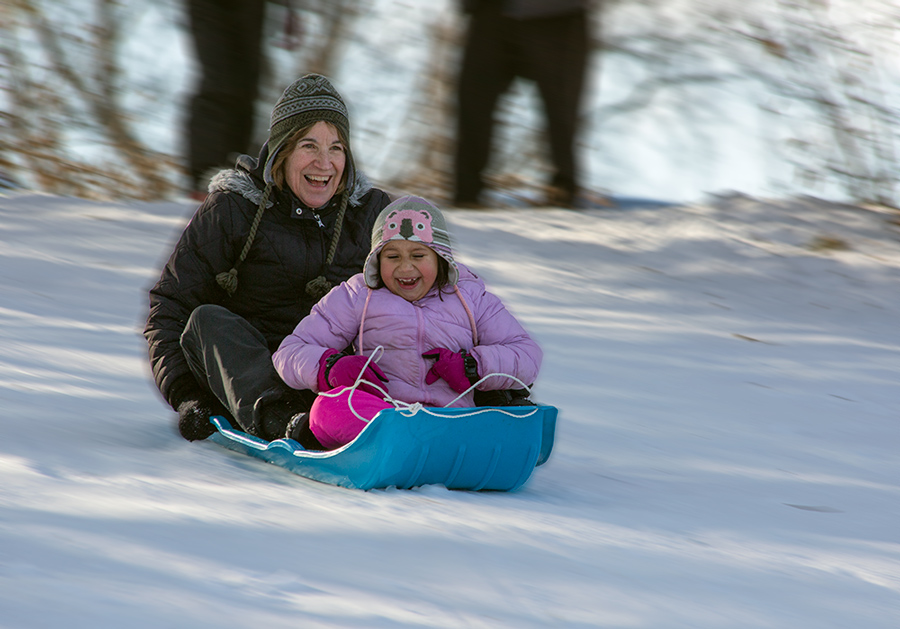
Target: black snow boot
x=505 y=397
x=275 y=409
x=193 y=418
x=298 y=430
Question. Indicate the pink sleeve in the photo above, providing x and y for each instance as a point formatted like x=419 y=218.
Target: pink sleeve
x=503 y=345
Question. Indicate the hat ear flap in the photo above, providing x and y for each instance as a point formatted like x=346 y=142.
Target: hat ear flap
x=371 y=270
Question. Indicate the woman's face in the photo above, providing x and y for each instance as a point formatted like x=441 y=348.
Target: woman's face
x=408 y=269
x=314 y=168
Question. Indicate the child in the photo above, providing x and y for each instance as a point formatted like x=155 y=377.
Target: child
x=440 y=329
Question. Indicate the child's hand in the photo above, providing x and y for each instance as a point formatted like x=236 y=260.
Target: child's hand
x=343 y=372
x=451 y=366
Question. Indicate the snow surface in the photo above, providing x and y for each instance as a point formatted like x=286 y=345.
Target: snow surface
x=726 y=455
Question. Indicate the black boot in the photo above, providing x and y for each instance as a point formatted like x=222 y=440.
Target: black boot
x=193 y=418
x=298 y=430
x=274 y=410
x=505 y=397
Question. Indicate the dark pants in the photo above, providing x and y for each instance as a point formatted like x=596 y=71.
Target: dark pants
x=227 y=37
x=232 y=359
x=552 y=52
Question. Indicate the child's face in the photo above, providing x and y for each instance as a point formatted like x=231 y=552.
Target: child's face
x=408 y=269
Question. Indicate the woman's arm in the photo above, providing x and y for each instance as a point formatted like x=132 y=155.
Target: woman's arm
x=205 y=248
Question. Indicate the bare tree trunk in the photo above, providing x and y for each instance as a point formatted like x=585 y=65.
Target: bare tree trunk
x=429 y=166
x=340 y=18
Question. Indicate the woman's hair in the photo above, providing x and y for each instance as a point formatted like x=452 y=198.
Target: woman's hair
x=442 y=279
x=291 y=144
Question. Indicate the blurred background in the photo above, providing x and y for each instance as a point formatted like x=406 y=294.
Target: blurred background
x=682 y=97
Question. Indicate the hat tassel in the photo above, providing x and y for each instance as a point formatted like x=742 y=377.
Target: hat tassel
x=318 y=287
x=228 y=280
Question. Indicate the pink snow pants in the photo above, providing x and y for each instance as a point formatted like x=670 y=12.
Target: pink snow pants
x=333 y=421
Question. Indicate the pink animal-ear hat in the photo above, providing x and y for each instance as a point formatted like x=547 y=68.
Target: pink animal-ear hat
x=417 y=220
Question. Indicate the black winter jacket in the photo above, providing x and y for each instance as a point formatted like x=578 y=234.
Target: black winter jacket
x=288 y=251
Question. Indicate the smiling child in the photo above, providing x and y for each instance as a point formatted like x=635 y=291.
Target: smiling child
x=439 y=327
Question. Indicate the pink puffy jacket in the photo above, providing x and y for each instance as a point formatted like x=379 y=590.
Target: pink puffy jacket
x=406 y=330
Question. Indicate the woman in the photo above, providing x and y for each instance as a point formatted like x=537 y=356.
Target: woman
x=273 y=236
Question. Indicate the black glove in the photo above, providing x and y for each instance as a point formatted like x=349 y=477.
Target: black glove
x=193 y=419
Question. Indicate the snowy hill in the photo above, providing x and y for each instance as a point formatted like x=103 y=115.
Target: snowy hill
x=726 y=453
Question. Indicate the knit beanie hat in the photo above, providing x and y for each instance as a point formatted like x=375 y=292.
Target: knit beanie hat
x=415 y=219
x=306 y=101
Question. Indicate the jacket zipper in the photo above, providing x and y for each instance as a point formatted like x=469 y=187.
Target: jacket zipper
x=420 y=334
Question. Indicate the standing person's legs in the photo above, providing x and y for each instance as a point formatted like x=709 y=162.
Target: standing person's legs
x=227 y=37
x=232 y=359
x=556 y=53
x=484 y=75
x=246 y=58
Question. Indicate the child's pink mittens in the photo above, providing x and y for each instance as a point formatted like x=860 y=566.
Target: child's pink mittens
x=451 y=366
x=337 y=370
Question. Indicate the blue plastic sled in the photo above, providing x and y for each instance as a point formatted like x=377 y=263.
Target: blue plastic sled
x=486 y=448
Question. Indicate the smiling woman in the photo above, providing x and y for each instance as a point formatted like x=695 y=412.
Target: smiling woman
x=312 y=164
x=289 y=225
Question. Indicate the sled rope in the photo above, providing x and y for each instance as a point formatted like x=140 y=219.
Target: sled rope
x=409 y=409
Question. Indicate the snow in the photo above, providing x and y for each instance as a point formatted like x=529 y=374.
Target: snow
x=726 y=454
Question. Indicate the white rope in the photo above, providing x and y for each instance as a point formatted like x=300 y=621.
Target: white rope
x=409 y=409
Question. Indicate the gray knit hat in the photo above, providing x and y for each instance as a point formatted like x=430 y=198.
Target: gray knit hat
x=306 y=101
x=410 y=218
